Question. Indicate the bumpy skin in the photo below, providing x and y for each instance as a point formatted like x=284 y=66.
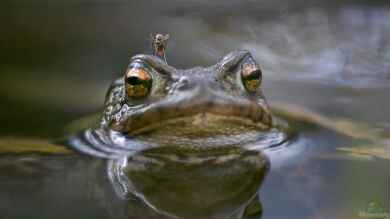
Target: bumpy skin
x=179 y=93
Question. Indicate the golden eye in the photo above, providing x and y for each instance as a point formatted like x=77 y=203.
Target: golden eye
x=251 y=77
x=138 y=83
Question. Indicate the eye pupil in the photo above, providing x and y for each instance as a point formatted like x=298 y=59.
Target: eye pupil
x=134 y=80
x=254 y=75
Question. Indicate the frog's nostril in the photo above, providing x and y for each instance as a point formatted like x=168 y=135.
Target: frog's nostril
x=183 y=83
x=184 y=80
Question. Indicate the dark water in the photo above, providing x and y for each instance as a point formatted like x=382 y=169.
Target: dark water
x=332 y=57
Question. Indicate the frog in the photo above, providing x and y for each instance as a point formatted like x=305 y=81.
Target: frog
x=185 y=117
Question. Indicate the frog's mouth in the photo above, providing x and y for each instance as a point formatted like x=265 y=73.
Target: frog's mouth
x=200 y=124
x=194 y=120
x=196 y=126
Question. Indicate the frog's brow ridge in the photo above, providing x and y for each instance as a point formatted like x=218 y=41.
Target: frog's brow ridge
x=155 y=62
x=232 y=59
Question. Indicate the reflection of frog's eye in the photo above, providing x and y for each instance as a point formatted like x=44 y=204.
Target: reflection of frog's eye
x=138 y=83
x=251 y=77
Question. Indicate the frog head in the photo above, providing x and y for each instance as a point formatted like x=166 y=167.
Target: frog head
x=154 y=104
x=153 y=96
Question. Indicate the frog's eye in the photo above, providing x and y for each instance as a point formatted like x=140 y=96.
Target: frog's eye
x=138 y=82
x=251 y=77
